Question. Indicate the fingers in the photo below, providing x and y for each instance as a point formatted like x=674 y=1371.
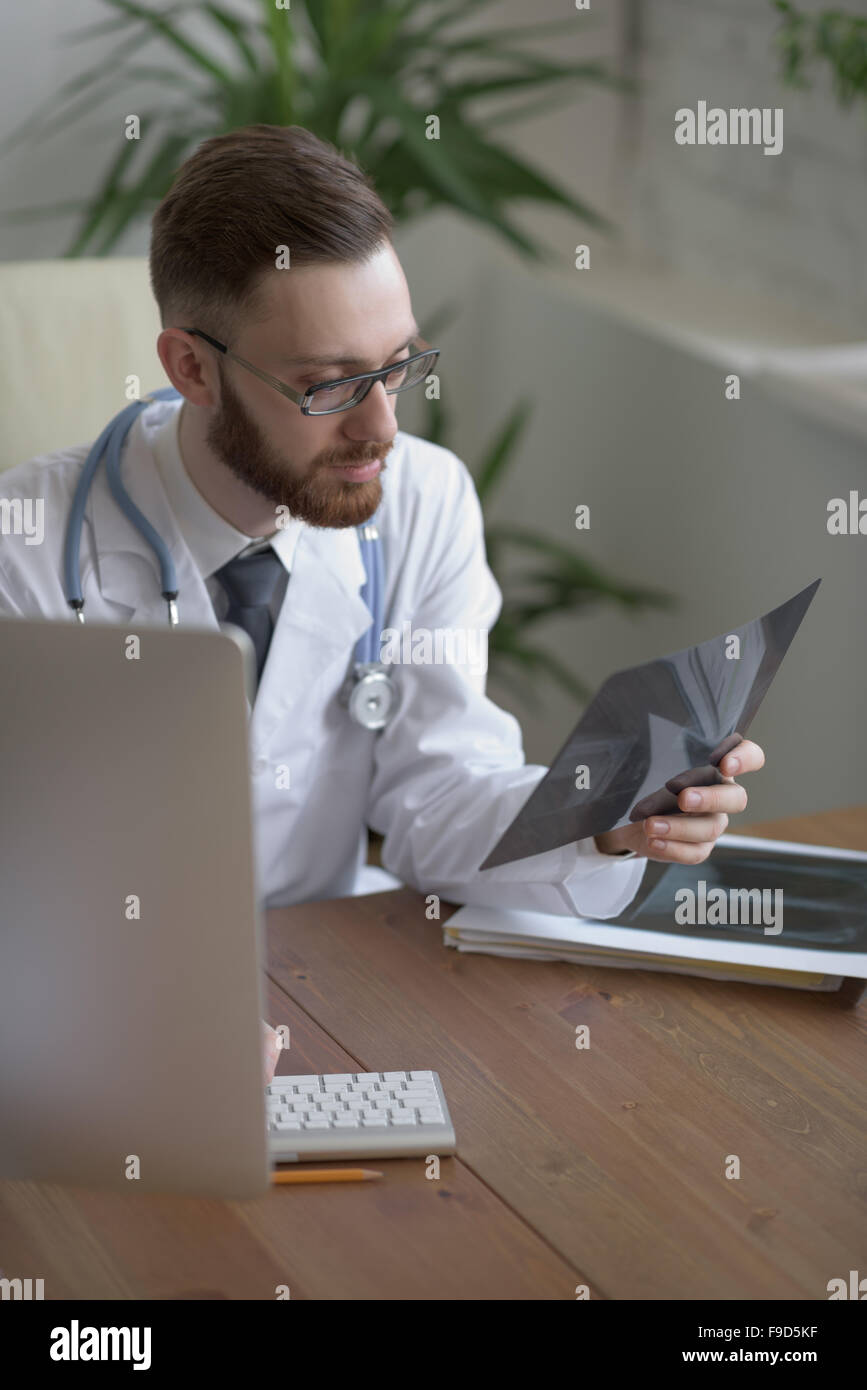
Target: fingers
x=746 y=757
x=689 y=837
x=727 y=798
x=272 y=1044
x=688 y=840
x=692 y=829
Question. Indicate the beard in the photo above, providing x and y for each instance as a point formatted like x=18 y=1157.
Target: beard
x=319 y=498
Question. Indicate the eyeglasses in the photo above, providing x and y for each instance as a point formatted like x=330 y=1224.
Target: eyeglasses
x=329 y=397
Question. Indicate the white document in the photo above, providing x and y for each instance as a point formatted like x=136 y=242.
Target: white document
x=532 y=935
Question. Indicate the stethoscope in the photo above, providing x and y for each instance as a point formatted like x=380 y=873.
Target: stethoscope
x=368 y=691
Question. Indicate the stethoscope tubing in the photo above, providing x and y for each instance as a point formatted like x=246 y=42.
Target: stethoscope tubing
x=111 y=442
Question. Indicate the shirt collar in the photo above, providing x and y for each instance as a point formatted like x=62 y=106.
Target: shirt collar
x=211 y=540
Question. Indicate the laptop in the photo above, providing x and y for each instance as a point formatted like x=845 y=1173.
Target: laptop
x=130 y=936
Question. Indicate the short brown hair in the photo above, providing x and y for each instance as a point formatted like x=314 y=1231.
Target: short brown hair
x=235 y=200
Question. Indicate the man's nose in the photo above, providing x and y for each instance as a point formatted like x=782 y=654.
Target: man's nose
x=374 y=417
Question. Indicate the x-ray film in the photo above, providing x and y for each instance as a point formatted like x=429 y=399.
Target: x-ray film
x=652 y=730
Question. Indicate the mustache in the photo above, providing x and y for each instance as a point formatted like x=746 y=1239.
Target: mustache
x=335 y=460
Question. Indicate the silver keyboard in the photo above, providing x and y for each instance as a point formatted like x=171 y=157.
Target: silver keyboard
x=370 y=1114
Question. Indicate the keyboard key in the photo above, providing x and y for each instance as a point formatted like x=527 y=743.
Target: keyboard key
x=285 y=1126
x=347 y=1122
x=320 y=1123
x=367 y=1076
x=394 y=1076
x=401 y=1117
x=421 y=1076
x=379 y=1123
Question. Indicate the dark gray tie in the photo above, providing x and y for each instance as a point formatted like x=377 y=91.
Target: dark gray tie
x=249 y=582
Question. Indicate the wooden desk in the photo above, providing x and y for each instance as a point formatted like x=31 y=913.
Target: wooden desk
x=602 y=1167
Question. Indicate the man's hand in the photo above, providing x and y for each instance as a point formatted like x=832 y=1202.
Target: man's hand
x=689 y=838
x=272 y=1044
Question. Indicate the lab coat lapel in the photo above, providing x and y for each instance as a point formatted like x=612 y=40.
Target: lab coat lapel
x=320 y=622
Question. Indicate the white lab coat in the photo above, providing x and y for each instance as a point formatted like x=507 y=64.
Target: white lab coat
x=441 y=782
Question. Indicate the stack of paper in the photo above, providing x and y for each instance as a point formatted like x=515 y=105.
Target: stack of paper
x=812 y=933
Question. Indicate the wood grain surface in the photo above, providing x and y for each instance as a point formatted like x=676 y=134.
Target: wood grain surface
x=602 y=1167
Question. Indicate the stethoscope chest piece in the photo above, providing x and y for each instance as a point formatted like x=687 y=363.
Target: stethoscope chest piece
x=370 y=695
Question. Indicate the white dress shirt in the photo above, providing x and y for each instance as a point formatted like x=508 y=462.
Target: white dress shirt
x=212 y=540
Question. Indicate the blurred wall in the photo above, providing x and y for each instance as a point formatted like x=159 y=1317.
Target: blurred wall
x=790 y=225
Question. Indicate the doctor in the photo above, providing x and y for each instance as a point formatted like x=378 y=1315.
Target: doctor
x=273 y=269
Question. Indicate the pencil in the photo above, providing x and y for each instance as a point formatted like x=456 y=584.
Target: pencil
x=324 y=1175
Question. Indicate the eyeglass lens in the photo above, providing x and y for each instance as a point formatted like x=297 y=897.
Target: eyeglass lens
x=329 y=398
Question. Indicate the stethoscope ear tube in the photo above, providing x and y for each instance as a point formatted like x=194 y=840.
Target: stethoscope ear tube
x=75 y=522
x=114 y=436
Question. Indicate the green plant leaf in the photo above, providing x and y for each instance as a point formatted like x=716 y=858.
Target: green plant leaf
x=437 y=422
x=239 y=32
x=161 y=26
x=498 y=174
x=462 y=92
x=452 y=13
x=565 y=583
x=39 y=126
x=438 y=168
x=43 y=211
x=529 y=32
x=369 y=38
x=105 y=196
x=280 y=33
x=147 y=190
x=372 y=49
x=487 y=40
x=832 y=37
x=317 y=18
x=500 y=452
x=535 y=660
x=508 y=115
x=93 y=31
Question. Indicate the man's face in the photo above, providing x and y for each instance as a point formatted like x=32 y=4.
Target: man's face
x=360 y=313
